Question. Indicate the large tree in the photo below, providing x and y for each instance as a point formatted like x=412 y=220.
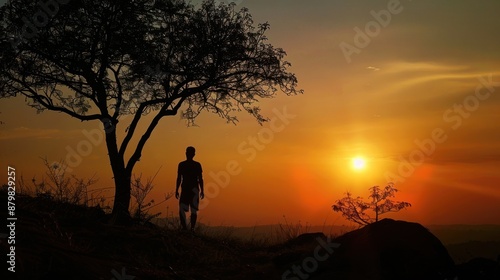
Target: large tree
x=100 y=60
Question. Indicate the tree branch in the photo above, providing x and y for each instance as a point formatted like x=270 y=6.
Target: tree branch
x=46 y=102
x=163 y=112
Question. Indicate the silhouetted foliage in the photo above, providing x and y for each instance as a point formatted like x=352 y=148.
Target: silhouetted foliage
x=103 y=60
x=57 y=185
x=287 y=231
x=354 y=208
x=140 y=191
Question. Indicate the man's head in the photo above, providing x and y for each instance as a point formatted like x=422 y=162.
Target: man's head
x=190 y=151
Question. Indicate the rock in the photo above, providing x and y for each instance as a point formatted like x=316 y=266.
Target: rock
x=388 y=249
x=479 y=269
x=306 y=238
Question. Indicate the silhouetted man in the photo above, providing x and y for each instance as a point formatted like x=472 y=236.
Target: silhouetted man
x=191 y=182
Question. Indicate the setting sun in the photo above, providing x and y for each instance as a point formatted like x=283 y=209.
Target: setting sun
x=358 y=163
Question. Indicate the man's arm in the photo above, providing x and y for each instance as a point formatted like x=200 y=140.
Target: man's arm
x=200 y=182
x=179 y=180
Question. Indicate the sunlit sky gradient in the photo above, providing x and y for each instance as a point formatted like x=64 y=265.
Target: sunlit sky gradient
x=398 y=89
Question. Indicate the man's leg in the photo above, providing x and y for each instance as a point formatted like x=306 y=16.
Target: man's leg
x=194 y=207
x=183 y=208
x=194 y=216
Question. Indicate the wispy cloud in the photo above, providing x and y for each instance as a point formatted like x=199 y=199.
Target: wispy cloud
x=34 y=133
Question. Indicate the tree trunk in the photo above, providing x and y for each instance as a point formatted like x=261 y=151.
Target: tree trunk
x=121 y=214
x=122 y=179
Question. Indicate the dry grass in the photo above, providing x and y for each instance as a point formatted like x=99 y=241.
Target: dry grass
x=60 y=238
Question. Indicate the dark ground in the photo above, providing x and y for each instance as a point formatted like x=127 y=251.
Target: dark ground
x=63 y=241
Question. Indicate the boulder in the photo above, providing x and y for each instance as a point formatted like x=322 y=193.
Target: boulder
x=479 y=269
x=388 y=249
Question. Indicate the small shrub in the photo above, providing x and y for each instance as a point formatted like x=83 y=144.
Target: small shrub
x=354 y=208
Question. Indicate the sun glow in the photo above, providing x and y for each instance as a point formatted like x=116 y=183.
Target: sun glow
x=358 y=163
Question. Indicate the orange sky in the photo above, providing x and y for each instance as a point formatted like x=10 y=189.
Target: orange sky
x=431 y=75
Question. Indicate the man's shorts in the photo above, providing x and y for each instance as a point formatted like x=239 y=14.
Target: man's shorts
x=189 y=198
